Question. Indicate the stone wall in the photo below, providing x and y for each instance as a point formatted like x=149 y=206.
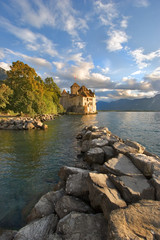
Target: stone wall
x=113 y=193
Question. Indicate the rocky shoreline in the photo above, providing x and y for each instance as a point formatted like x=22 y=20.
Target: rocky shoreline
x=112 y=193
x=25 y=123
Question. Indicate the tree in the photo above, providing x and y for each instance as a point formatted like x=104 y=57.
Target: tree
x=5 y=93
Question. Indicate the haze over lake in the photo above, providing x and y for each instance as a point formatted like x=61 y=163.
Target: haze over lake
x=30 y=160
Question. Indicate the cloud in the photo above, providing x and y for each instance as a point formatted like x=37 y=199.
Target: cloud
x=142 y=59
x=116 y=39
x=141 y=3
x=2 y=55
x=137 y=72
x=59 y=65
x=5 y=66
x=124 y=22
x=34 y=61
x=107 y=12
x=154 y=79
x=53 y=13
x=33 y=41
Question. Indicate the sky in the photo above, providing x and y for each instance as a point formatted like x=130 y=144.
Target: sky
x=110 y=46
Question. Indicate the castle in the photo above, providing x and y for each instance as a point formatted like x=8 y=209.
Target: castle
x=80 y=100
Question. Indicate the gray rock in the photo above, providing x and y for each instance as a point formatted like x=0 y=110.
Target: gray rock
x=38 y=229
x=93 y=128
x=85 y=146
x=136 y=145
x=46 y=205
x=138 y=221
x=103 y=195
x=29 y=126
x=108 y=152
x=76 y=185
x=98 y=142
x=7 y=235
x=94 y=155
x=65 y=171
x=78 y=226
x=123 y=148
x=119 y=166
x=87 y=135
x=54 y=236
x=133 y=188
x=69 y=204
x=144 y=163
x=156 y=180
x=95 y=135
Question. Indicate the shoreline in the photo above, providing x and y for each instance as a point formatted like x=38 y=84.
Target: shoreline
x=108 y=166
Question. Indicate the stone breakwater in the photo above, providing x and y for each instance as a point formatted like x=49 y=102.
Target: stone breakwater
x=112 y=193
x=25 y=123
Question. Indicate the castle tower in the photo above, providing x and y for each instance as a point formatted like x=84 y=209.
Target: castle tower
x=74 y=88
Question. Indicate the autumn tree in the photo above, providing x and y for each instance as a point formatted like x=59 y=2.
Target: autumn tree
x=5 y=93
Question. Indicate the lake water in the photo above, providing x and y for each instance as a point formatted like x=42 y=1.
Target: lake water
x=29 y=160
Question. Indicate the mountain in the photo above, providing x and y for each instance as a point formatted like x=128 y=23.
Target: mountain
x=3 y=74
x=144 y=104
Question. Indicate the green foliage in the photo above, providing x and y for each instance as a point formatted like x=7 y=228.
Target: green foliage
x=5 y=93
x=32 y=95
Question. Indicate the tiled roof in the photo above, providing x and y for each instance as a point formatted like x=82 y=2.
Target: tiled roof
x=75 y=85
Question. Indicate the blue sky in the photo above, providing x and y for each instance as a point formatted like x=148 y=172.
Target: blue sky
x=111 y=46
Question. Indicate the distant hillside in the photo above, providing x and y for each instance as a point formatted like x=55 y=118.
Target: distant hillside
x=146 y=104
x=3 y=74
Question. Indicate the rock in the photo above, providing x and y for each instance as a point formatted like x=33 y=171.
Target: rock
x=135 y=145
x=29 y=126
x=95 y=135
x=82 y=164
x=46 y=205
x=85 y=146
x=38 y=229
x=119 y=166
x=60 y=185
x=156 y=180
x=138 y=221
x=103 y=195
x=87 y=135
x=7 y=235
x=65 y=171
x=108 y=152
x=123 y=148
x=144 y=163
x=133 y=188
x=78 y=226
x=69 y=204
x=76 y=185
x=98 y=142
x=39 y=124
x=54 y=236
x=93 y=128
x=44 y=126
x=111 y=138
x=94 y=155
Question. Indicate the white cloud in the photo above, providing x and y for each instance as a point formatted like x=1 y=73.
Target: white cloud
x=108 y=12
x=2 y=55
x=141 y=3
x=57 y=14
x=105 y=70
x=34 y=61
x=155 y=75
x=137 y=72
x=130 y=94
x=116 y=39
x=124 y=22
x=33 y=41
x=59 y=65
x=5 y=66
x=143 y=59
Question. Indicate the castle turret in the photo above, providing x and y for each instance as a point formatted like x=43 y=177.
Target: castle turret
x=74 y=88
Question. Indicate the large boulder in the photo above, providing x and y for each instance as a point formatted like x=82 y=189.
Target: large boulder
x=119 y=166
x=85 y=146
x=156 y=180
x=103 y=194
x=65 y=171
x=94 y=155
x=29 y=126
x=76 y=185
x=46 y=205
x=7 y=234
x=108 y=152
x=120 y=147
x=135 y=145
x=98 y=142
x=133 y=188
x=138 y=221
x=78 y=226
x=69 y=204
x=144 y=163
x=38 y=229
